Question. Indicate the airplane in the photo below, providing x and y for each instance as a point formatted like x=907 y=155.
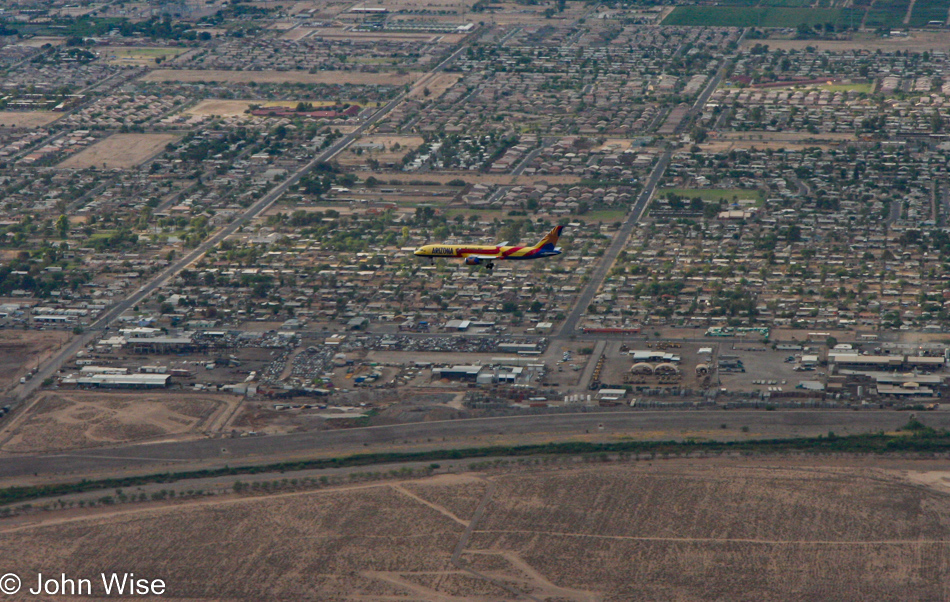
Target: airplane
x=488 y=254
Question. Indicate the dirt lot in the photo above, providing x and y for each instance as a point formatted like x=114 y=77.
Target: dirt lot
x=139 y=56
x=387 y=156
x=82 y=419
x=235 y=108
x=22 y=350
x=724 y=142
x=343 y=33
x=280 y=77
x=436 y=86
x=474 y=178
x=119 y=151
x=718 y=529
x=918 y=41
x=31 y=119
x=39 y=41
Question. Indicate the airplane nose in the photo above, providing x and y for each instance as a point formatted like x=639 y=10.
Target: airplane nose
x=418 y=251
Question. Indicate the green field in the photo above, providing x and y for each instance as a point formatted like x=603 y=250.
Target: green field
x=926 y=11
x=866 y=88
x=604 y=215
x=723 y=16
x=887 y=13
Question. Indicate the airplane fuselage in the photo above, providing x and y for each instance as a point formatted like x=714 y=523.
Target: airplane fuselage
x=487 y=255
x=485 y=251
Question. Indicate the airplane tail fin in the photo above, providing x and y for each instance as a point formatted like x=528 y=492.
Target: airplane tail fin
x=550 y=239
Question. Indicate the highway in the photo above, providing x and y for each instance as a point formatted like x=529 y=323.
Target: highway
x=448 y=434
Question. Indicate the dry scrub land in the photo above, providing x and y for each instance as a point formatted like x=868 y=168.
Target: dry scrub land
x=215 y=107
x=139 y=56
x=120 y=151
x=918 y=41
x=31 y=119
x=280 y=77
x=406 y=144
x=436 y=85
x=22 y=350
x=715 y=529
x=81 y=419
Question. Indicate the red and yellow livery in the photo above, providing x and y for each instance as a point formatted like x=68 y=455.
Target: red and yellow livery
x=488 y=254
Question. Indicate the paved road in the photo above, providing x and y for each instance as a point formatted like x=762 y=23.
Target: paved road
x=657 y=425
x=261 y=205
x=620 y=240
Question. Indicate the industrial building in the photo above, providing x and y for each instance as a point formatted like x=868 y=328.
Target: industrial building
x=162 y=344
x=121 y=381
x=458 y=372
x=885 y=362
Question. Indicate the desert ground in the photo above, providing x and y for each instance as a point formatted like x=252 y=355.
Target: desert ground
x=280 y=77
x=139 y=56
x=437 y=86
x=120 y=151
x=81 y=419
x=773 y=140
x=406 y=144
x=21 y=351
x=39 y=41
x=30 y=119
x=235 y=108
x=766 y=528
x=476 y=178
x=917 y=41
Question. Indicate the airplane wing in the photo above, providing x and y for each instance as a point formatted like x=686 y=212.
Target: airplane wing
x=502 y=244
x=487 y=257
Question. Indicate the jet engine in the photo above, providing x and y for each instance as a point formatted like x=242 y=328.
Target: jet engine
x=472 y=261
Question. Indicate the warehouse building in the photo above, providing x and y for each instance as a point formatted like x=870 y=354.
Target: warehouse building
x=121 y=381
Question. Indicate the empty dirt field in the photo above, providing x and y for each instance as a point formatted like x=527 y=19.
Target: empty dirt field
x=79 y=419
x=389 y=154
x=475 y=178
x=770 y=528
x=27 y=119
x=39 y=41
x=22 y=350
x=139 y=56
x=917 y=41
x=120 y=151
x=215 y=107
x=280 y=77
x=437 y=85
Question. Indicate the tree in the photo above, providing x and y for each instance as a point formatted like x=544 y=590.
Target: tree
x=62 y=226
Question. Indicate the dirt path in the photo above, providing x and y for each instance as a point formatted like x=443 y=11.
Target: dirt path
x=910 y=9
x=548 y=589
x=867 y=11
x=440 y=509
x=769 y=542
